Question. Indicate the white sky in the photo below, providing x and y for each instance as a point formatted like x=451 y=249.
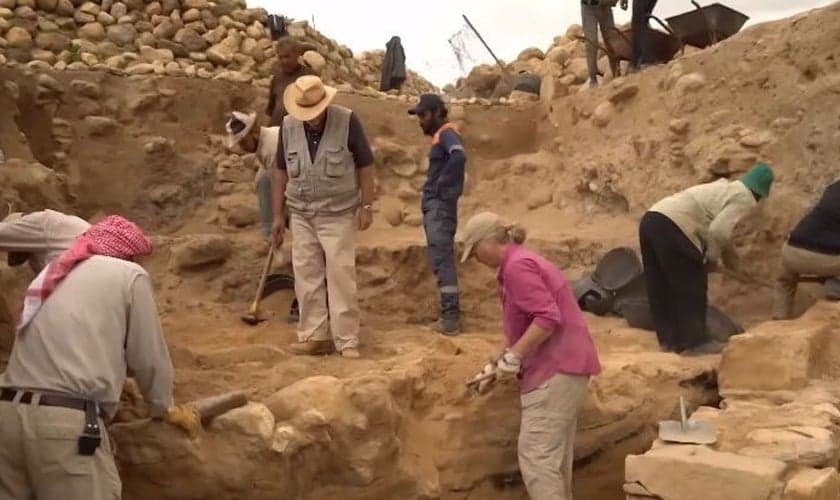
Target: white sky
x=508 y=26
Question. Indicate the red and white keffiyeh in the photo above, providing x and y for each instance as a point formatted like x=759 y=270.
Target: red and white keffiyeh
x=114 y=236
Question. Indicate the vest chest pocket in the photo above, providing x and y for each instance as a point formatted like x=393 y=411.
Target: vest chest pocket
x=293 y=164
x=337 y=163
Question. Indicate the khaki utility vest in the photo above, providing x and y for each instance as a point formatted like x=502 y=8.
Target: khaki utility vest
x=326 y=184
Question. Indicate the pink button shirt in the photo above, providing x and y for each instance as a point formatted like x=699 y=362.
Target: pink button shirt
x=534 y=291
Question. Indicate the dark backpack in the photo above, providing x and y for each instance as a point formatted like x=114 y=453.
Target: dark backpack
x=277 y=26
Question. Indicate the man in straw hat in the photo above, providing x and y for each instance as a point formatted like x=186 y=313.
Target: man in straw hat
x=682 y=238
x=325 y=177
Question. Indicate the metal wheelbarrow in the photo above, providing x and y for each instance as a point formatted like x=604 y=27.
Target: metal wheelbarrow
x=706 y=25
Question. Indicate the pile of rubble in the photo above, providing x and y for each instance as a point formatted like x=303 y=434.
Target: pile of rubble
x=222 y=39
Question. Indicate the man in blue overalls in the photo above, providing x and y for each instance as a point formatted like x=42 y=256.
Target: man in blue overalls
x=443 y=187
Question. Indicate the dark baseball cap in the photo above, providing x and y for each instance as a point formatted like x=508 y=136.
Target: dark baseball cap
x=428 y=102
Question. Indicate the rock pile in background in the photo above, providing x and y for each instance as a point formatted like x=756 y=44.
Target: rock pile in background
x=222 y=39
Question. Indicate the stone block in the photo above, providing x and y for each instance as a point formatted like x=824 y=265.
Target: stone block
x=813 y=484
x=684 y=472
x=754 y=361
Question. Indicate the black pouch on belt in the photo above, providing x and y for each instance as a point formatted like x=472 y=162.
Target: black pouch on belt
x=91 y=436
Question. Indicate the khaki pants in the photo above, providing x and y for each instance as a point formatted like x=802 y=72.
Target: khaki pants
x=798 y=262
x=547 y=436
x=39 y=456
x=324 y=261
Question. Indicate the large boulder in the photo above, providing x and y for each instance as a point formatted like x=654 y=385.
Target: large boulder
x=191 y=40
x=19 y=38
x=222 y=53
x=122 y=34
x=93 y=32
x=199 y=251
x=54 y=42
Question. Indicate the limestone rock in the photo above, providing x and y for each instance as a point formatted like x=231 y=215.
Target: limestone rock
x=530 y=53
x=54 y=42
x=756 y=139
x=18 y=38
x=122 y=34
x=679 y=126
x=83 y=17
x=8 y=4
x=392 y=210
x=140 y=69
x=89 y=59
x=802 y=445
x=166 y=29
x=558 y=55
x=698 y=473
x=198 y=251
x=623 y=93
x=691 y=82
x=252 y=420
x=86 y=89
x=43 y=55
x=540 y=197
x=240 y=209
x=119 y=10
x=222 y=53
x=234 y=76
x=751 y=360
x=89 y=8
x=169 y=6
x=151 y=55
x=47 y=83
x=578 y=68
x=195 y=4
x=603 y=114
x=191 y=15
x=94 y=32
x=813 y=484
x=100 y=125
x=105 y=19
x=65 y=8
x=26 y=13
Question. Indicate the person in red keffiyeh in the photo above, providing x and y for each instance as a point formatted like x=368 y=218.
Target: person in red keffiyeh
x=113 y=236
x=90 y=321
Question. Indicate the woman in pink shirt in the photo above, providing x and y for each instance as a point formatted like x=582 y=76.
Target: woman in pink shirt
x=547 y=346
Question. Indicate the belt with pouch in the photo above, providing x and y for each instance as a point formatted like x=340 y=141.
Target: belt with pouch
x=91 y=435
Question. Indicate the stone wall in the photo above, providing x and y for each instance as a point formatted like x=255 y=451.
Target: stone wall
x=222 y=39
x=777 y=429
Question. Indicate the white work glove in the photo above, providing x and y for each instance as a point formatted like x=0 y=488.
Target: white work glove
x=482 y=382
x=508 y=365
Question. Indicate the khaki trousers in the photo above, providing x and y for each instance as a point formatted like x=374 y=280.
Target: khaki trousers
x=547 y=436
x=324 y=261
x=798 y=262
x=39 y=456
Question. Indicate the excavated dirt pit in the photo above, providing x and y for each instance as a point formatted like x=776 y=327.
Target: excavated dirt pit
x=577 y=172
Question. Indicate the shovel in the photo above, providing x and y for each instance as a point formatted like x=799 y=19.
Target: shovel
x=685 y=430
x=252 y=317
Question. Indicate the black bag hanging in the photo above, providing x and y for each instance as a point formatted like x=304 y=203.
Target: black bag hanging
x=277 y=26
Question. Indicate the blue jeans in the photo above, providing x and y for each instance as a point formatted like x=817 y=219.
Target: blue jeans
x=263 y=185
x=440 y=221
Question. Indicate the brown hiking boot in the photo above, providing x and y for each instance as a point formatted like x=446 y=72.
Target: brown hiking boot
x=312 y=348
x=350 y=353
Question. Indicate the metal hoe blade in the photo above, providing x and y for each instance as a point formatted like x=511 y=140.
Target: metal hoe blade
x=686 y=430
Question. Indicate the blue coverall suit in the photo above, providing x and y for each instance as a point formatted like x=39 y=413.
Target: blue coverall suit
x=443 y=188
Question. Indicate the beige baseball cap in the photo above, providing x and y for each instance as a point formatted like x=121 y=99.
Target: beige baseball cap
x=480 y=226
